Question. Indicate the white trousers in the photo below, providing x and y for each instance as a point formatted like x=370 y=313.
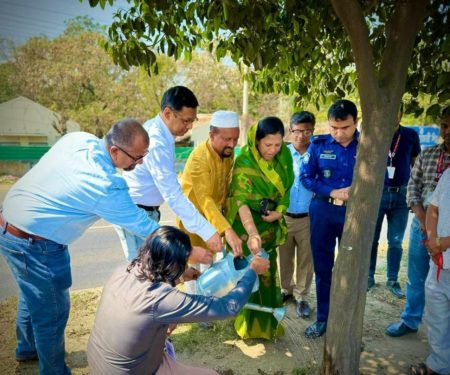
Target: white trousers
x=437 y=307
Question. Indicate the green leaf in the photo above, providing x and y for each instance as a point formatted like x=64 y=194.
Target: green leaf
x=443 y=80
x=434 y=110
x=226 y=13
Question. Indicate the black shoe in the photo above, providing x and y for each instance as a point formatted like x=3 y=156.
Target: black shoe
x=370 y=283
x=286 y=297
x=395 y=289
x=303 y=309
x=398 y=329
x=27 y=357
x=316 y=330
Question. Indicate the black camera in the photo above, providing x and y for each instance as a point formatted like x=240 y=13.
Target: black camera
x=266 y=205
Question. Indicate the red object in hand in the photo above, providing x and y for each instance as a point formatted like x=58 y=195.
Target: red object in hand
x=438 y=259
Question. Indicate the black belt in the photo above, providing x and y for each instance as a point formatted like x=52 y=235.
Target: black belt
x=297 y=216
x=393 y=189
x=336 y=202
x=148 y=208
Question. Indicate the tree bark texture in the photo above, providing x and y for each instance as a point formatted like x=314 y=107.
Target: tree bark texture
x=380 y=96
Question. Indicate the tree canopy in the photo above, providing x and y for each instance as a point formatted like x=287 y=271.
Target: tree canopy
x=296 y=48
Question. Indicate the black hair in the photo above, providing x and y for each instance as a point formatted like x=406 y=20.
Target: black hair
x=163 y=256
x=341 y=109
x=213 y=129
x=178 y=97
x=303 y=117
x=124 y=132
x=269 y=125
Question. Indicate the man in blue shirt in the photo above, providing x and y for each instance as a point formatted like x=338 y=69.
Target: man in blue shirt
x=328 y=171
x=73 y=185
x=404 y=148
x=297 y=250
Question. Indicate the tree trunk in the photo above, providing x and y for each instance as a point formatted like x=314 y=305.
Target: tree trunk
x=381 y=91
x=349 y=284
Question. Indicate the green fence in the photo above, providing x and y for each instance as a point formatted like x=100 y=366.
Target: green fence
x=22 y=153
x=34 y=153
x=26 y=153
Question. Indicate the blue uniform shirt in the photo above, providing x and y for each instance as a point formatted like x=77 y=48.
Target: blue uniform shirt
x=300 y=197
x=73 y=185
x=408 y=148
x=327 y=165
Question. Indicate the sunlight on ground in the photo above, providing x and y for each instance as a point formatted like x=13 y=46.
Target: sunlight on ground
x=182 y=328
x=252 y=351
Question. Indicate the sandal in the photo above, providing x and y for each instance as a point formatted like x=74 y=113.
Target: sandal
x=421 y=369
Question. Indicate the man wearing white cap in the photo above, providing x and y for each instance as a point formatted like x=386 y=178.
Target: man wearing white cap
x=206 y=177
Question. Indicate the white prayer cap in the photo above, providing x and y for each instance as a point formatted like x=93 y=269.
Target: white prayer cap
x=225 y=119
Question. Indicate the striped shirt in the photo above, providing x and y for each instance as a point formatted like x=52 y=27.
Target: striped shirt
x=425 y=174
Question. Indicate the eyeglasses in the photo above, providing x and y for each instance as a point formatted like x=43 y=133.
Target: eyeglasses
x=186 y=122
x=134 y=158
x=306 y=132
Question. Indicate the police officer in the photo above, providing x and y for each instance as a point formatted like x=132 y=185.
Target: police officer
x=327 y=171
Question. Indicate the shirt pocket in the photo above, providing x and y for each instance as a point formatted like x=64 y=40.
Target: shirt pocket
x=328 y=164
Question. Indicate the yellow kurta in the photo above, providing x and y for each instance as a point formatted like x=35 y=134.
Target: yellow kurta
x=205 y=181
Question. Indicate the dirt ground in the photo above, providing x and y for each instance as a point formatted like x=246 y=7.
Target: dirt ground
x=221 y=349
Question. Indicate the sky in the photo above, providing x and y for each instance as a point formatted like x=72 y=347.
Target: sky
x=23 y=19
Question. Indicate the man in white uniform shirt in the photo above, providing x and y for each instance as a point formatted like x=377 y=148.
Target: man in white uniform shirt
x=155 y=180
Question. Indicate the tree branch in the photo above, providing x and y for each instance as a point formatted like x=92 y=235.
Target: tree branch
x=403 y=28
x=352 y=18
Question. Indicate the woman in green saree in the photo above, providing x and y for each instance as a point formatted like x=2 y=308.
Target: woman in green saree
x=258 y=198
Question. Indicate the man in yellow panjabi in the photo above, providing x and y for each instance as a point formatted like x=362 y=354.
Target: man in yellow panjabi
x=206 y=178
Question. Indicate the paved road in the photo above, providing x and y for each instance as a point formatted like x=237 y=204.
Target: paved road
x=95 y=255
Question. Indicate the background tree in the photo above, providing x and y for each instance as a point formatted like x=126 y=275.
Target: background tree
x=320 y=51
x=76 y=78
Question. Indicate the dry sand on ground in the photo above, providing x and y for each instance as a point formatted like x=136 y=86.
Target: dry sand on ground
x=222 y=350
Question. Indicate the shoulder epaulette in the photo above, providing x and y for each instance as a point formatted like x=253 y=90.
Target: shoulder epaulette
x=319 y=138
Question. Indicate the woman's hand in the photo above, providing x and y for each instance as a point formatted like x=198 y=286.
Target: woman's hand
x=191 y=274
x=260 y=265
x=254 y=243
x=234 y=241
x=200 y=255
x=271 y=216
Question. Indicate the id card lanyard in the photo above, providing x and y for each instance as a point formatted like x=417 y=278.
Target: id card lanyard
x=440 y=168
x=391 y=168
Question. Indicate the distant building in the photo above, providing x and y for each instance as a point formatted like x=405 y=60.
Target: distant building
x=26 y=133
x=27 y=123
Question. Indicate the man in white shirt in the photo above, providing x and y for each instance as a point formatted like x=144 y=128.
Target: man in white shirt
x=155 y=180
x=437 y=285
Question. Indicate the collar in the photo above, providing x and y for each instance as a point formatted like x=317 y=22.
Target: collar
x=442 y=148
x=104 y=150
x=355 y=138
x=294 y=151
x=213 y=152
x=167 y=134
